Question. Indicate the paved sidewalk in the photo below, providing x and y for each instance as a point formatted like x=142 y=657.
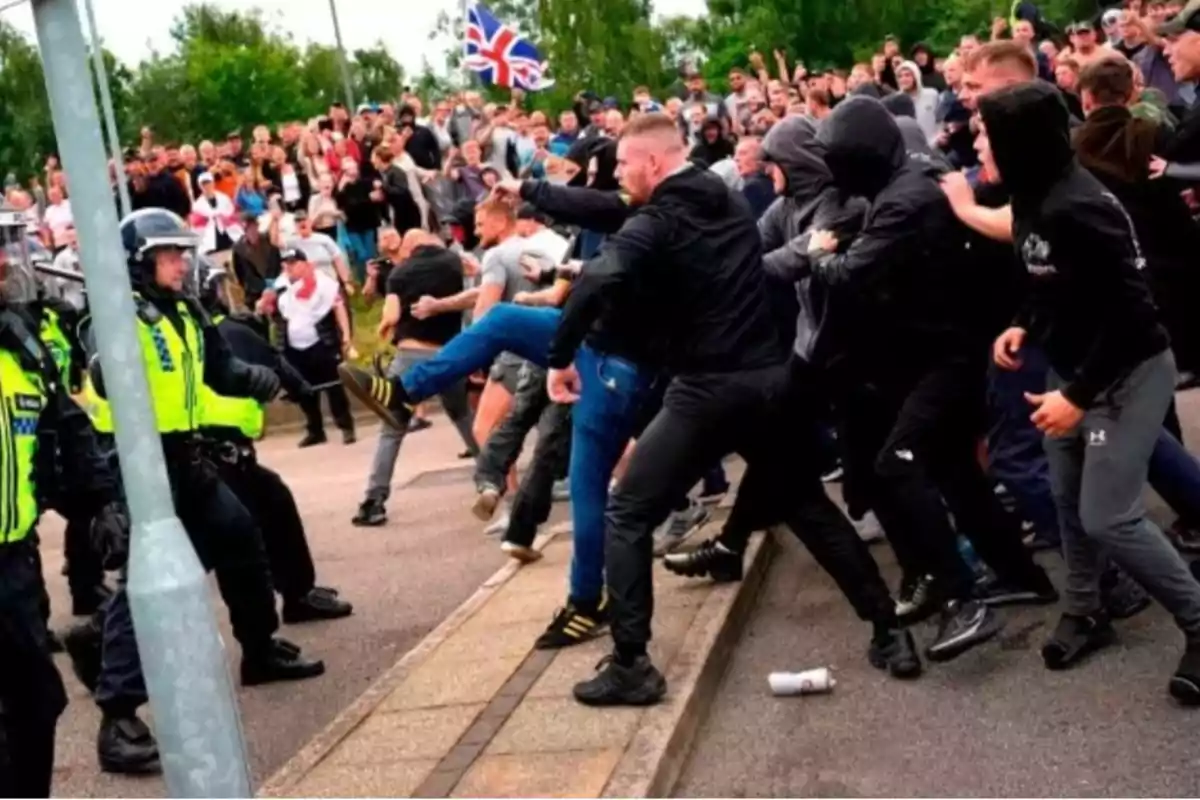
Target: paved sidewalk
x=474 y=711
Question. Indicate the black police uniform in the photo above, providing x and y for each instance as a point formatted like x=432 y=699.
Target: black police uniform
x=65 y=454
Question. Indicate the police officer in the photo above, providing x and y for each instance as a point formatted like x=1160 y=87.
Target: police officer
x=231 y=425
x=184 y=353
x=58 y=322
x=44 y=438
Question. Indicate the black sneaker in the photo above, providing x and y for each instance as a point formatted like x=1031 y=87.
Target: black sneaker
x=997 y=593
x=896 y=652
x=312 y=440
x=282 y=661
x=315 y=605
x=371 y=514
x=572 y=626
x=964 y=624
x=1122 y=596
x=1185 y=683
x=1074 y=637
x=638 y=685
x=917 y=599
x=348 y=437
x=383 y=396
x=709 y=559
x=125 y=746
x=418 y=424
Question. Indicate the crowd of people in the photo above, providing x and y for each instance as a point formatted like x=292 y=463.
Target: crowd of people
x=956 y=284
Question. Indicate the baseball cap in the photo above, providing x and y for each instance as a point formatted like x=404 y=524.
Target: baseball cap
x=1186 y=20
x=1084 y=26
x=235 y=134
x=292 y=254
x=1110 y=17
x=205 y=177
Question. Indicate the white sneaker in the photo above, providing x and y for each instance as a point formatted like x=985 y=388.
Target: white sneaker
x=869 y=529
x=498 y=525
x=485 y=502
x=678 y=527
x=526 y=555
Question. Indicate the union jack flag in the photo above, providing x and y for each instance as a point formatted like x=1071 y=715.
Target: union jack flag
x=499 y=55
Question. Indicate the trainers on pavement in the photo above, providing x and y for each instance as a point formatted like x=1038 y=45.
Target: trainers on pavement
x=678 y=527
x=639 y=684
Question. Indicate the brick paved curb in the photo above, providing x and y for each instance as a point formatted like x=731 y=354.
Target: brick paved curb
x=287 y=776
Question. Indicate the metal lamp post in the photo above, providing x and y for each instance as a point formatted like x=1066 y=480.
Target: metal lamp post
x=195 y=710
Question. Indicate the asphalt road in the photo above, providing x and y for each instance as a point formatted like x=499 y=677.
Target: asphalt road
x=992 y=723
x=403 y=580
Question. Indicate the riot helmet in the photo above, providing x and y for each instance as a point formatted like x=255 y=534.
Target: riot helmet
x=147 y=235
x=18 y=284
x=210 y=283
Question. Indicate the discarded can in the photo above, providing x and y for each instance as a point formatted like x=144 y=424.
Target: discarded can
x=811 y=681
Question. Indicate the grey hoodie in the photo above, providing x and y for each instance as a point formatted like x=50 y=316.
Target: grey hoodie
x=926 y=103
x=809 y=201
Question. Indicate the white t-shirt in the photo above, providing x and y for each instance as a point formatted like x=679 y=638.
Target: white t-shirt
x=303 y=314
x=59 y=218
x=546 y=246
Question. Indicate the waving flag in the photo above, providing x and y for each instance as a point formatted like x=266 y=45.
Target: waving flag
x=499 y=55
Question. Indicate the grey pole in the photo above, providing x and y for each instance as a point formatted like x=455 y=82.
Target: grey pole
x=346 y=83
x=183 y=658
x=106 y=106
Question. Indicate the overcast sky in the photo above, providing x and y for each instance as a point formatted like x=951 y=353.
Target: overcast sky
x=403 y=25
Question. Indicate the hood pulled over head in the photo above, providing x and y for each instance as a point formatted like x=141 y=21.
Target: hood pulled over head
x=1028 y=129
x=792 y=145
x=912 y=67
x=863 y=146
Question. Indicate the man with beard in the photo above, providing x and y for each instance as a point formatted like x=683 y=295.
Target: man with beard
x=917 y=417
x=1111 y=379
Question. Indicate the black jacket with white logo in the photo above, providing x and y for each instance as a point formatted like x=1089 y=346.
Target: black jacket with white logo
x=1089 y=304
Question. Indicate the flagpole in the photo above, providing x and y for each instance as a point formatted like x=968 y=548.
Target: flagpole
x=466 y=72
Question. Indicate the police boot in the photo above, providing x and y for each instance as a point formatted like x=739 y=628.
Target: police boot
x=84 y=645
x=126 y=746
x=280 y=660
x=318 y=603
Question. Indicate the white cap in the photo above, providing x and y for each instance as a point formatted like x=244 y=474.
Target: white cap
x=205 y=177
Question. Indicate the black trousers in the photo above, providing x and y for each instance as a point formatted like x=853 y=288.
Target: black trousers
x=84 y=570
x=318 y=364
x=272 y=505
x=32 y=695
x=531 y=408
x=915 y=443
x=764 y=416
x=227 y=542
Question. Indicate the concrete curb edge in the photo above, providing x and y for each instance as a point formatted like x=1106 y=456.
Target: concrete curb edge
x=308 y=757
x=654 y=759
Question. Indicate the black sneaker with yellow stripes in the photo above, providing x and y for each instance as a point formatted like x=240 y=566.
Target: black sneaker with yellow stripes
x=383 y=395
x=573 y=625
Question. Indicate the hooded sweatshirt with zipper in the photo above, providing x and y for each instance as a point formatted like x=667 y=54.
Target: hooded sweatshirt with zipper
x=693 y=254
x=809 y=201
x=1089 y=305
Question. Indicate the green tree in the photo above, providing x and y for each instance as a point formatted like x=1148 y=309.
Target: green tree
x=376 y=75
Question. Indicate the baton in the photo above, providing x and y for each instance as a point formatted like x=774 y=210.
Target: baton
x=58 y=272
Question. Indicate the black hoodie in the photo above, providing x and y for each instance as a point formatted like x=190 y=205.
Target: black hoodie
x=908 y=265
x=1088 y=305
x=693 y=252
x=809 y=201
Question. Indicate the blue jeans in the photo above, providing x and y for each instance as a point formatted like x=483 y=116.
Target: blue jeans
x=1175 y=475
x=520 y=330
x=603 y=420
x=1015 y=447
x=360 y=248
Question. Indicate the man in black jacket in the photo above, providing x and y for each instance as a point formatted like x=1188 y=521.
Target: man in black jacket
x=918 y=414
x=691 y=248
x=1112 y=374
x=422 y=144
